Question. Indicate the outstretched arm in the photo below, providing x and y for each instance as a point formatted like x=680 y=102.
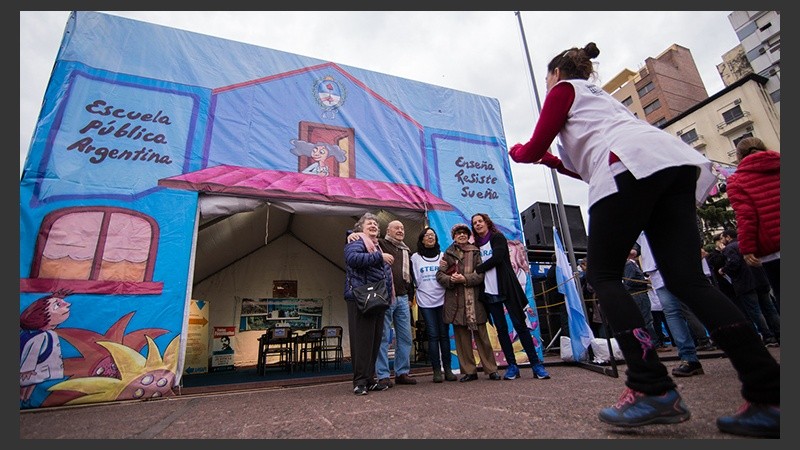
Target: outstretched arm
x=551 y=120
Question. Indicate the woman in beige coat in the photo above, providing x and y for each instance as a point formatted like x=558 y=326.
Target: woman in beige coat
x=462 y=307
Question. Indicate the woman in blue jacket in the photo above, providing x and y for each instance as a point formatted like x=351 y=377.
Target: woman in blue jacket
x=365 y=263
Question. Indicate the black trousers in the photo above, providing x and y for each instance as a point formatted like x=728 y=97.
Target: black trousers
x=365 y=333
x=773 y=270
x=663 y=205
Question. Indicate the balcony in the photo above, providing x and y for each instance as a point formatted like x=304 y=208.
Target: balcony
x=699 y=142
x=731 y=126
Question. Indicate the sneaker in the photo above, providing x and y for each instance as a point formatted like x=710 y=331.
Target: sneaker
x=378 y=387
x=688 y=368
x=635 y=409
x=512 y=372
x=360 y=390
x=494 y=376
x=404 y=379
x=540 y=372
x=387 y=382
x=771 y=342
x=753 y=419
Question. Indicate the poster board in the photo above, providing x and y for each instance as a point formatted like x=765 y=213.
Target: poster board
x=197 y=338
x=264 y=313
x=222 y=356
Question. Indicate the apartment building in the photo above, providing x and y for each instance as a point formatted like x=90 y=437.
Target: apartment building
x=715 y=125
x=760 y=35
x=663 y=88
x=668 y=93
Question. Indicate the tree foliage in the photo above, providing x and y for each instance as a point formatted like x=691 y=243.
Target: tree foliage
x=715 y=215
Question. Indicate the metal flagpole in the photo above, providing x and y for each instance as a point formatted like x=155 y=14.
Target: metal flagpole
x=562 y=212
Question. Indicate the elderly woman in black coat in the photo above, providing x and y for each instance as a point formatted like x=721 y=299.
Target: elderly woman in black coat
x=365 y=263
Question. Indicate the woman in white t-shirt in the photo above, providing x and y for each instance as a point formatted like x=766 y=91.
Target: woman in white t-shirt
x=430 y=302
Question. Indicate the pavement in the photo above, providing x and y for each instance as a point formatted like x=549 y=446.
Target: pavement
x=560 y=408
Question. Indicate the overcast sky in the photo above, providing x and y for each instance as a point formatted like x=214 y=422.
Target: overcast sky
x=479 y=52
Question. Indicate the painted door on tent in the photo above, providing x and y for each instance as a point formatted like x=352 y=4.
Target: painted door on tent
x=325 y=150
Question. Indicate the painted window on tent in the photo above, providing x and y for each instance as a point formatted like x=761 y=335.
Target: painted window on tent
x=96 y=243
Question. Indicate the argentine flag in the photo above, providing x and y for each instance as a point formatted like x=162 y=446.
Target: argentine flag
x=580 y=334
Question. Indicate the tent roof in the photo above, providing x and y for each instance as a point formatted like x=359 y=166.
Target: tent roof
x=304 y=188
x=243 y=209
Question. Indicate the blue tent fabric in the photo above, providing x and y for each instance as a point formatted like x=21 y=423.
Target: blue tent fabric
x=140 y=120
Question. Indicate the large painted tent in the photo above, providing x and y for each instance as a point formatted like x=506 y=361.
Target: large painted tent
x=177 y=180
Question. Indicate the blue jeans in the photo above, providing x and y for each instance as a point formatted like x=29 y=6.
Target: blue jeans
x=677 y=325
x=438 y=337
x=399 y=313
x=749 y=301
x=770 y=313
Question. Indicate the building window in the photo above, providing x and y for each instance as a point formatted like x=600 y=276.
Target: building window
x=652 y=106
x=645 y=89
x=658 y=123
x=774 y=45
x=755 y=53
x=748 y=29
x=628 y=101
x=689 y=136
x=733 y=114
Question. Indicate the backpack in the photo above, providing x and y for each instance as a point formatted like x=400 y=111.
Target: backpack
x=27 y=335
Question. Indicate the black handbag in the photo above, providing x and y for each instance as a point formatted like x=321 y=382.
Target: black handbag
x=372 y=298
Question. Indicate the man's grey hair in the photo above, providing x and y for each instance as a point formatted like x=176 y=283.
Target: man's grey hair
x=359 y=226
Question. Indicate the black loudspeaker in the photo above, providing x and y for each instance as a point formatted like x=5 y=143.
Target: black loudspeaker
x=537 y=226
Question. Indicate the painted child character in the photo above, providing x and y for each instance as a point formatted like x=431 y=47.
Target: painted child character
x=40 y=348
x=318 y=153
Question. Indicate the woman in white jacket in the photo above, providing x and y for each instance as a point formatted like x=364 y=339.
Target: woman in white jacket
x=644 y=179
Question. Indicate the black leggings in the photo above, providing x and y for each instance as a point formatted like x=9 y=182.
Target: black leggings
x=663 y=206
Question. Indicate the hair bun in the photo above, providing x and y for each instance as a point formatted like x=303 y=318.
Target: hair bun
x=591 y=50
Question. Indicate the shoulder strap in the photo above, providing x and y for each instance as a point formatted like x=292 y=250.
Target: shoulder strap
x=27 y=335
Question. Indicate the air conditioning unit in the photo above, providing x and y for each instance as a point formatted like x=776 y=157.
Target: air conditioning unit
x=773 y=71
x=679 y=133
x=762 y=50
x=737 y=101
x=750 y=129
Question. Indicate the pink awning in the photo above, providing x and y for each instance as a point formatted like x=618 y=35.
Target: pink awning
x=299 y=187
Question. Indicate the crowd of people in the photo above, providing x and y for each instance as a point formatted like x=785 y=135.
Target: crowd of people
x=626 y=162
x=469 y=284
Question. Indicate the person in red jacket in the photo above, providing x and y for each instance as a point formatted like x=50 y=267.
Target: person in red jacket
x=754 y=191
